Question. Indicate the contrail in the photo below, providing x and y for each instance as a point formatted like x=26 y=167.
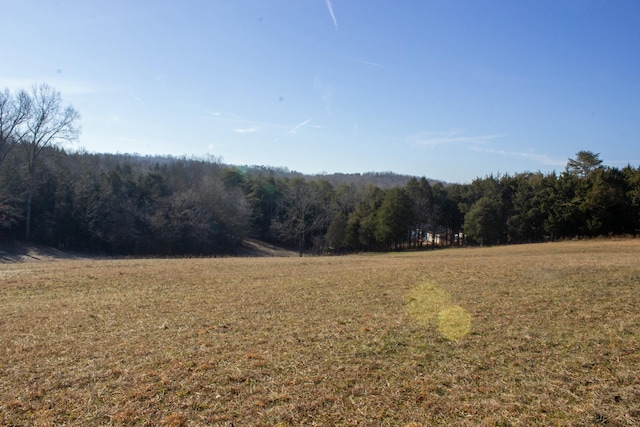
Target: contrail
x=362 y=61
x=137 y=99
x=330 y=7
x=293 y=131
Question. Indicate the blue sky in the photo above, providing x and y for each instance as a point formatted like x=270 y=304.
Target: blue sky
x=450 y=90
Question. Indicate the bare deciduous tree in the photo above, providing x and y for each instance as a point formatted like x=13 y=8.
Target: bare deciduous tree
x=48 y=123
x=302 y=213
x=14 y=111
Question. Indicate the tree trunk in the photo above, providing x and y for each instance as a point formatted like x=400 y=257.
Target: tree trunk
x=300 y=243
x=27 y=232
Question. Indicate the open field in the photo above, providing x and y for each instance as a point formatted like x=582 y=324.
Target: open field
x=545 y=334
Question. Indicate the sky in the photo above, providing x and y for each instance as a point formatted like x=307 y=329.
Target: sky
x=446 y=89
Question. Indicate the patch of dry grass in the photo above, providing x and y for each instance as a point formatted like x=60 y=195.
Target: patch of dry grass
x=553 y=339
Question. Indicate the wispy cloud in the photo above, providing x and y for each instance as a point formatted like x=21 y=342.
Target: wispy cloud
x=622 y=163
x=333 y=16
x=241 y=124
x=70 y=88
x=432 y=139
x=294 y=130
x=362 y=61
x=246 y=130
x=326 y=92
x=137 y=98
x=227 y=117
x=65 y=86
x=162 y=80
x=127 y=139
x=543 y=159
x=132 y=142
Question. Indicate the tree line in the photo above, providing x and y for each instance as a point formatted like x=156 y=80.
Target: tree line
x=142 y=205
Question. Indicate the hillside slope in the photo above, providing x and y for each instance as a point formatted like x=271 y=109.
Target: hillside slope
x=17 y=251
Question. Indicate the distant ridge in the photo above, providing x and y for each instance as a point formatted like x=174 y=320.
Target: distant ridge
x=383 y=180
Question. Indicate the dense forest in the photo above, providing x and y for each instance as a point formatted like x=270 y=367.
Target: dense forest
x=139 y=205
x=125 y=204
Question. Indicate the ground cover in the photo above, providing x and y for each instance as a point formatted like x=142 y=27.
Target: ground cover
x=544 y=334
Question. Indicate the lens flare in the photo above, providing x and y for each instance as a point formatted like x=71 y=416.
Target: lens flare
x=431 y=305
x=454 y=323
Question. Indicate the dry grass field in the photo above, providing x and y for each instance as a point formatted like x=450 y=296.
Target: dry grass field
x=545 y=334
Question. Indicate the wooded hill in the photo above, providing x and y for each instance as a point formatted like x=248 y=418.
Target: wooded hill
x=167 y=206
x=133 y=205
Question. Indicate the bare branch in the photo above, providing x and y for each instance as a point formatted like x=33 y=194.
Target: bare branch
x=49 y=123
x=14 y=111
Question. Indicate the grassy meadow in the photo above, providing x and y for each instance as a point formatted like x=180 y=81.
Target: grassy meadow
x=545 y=334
